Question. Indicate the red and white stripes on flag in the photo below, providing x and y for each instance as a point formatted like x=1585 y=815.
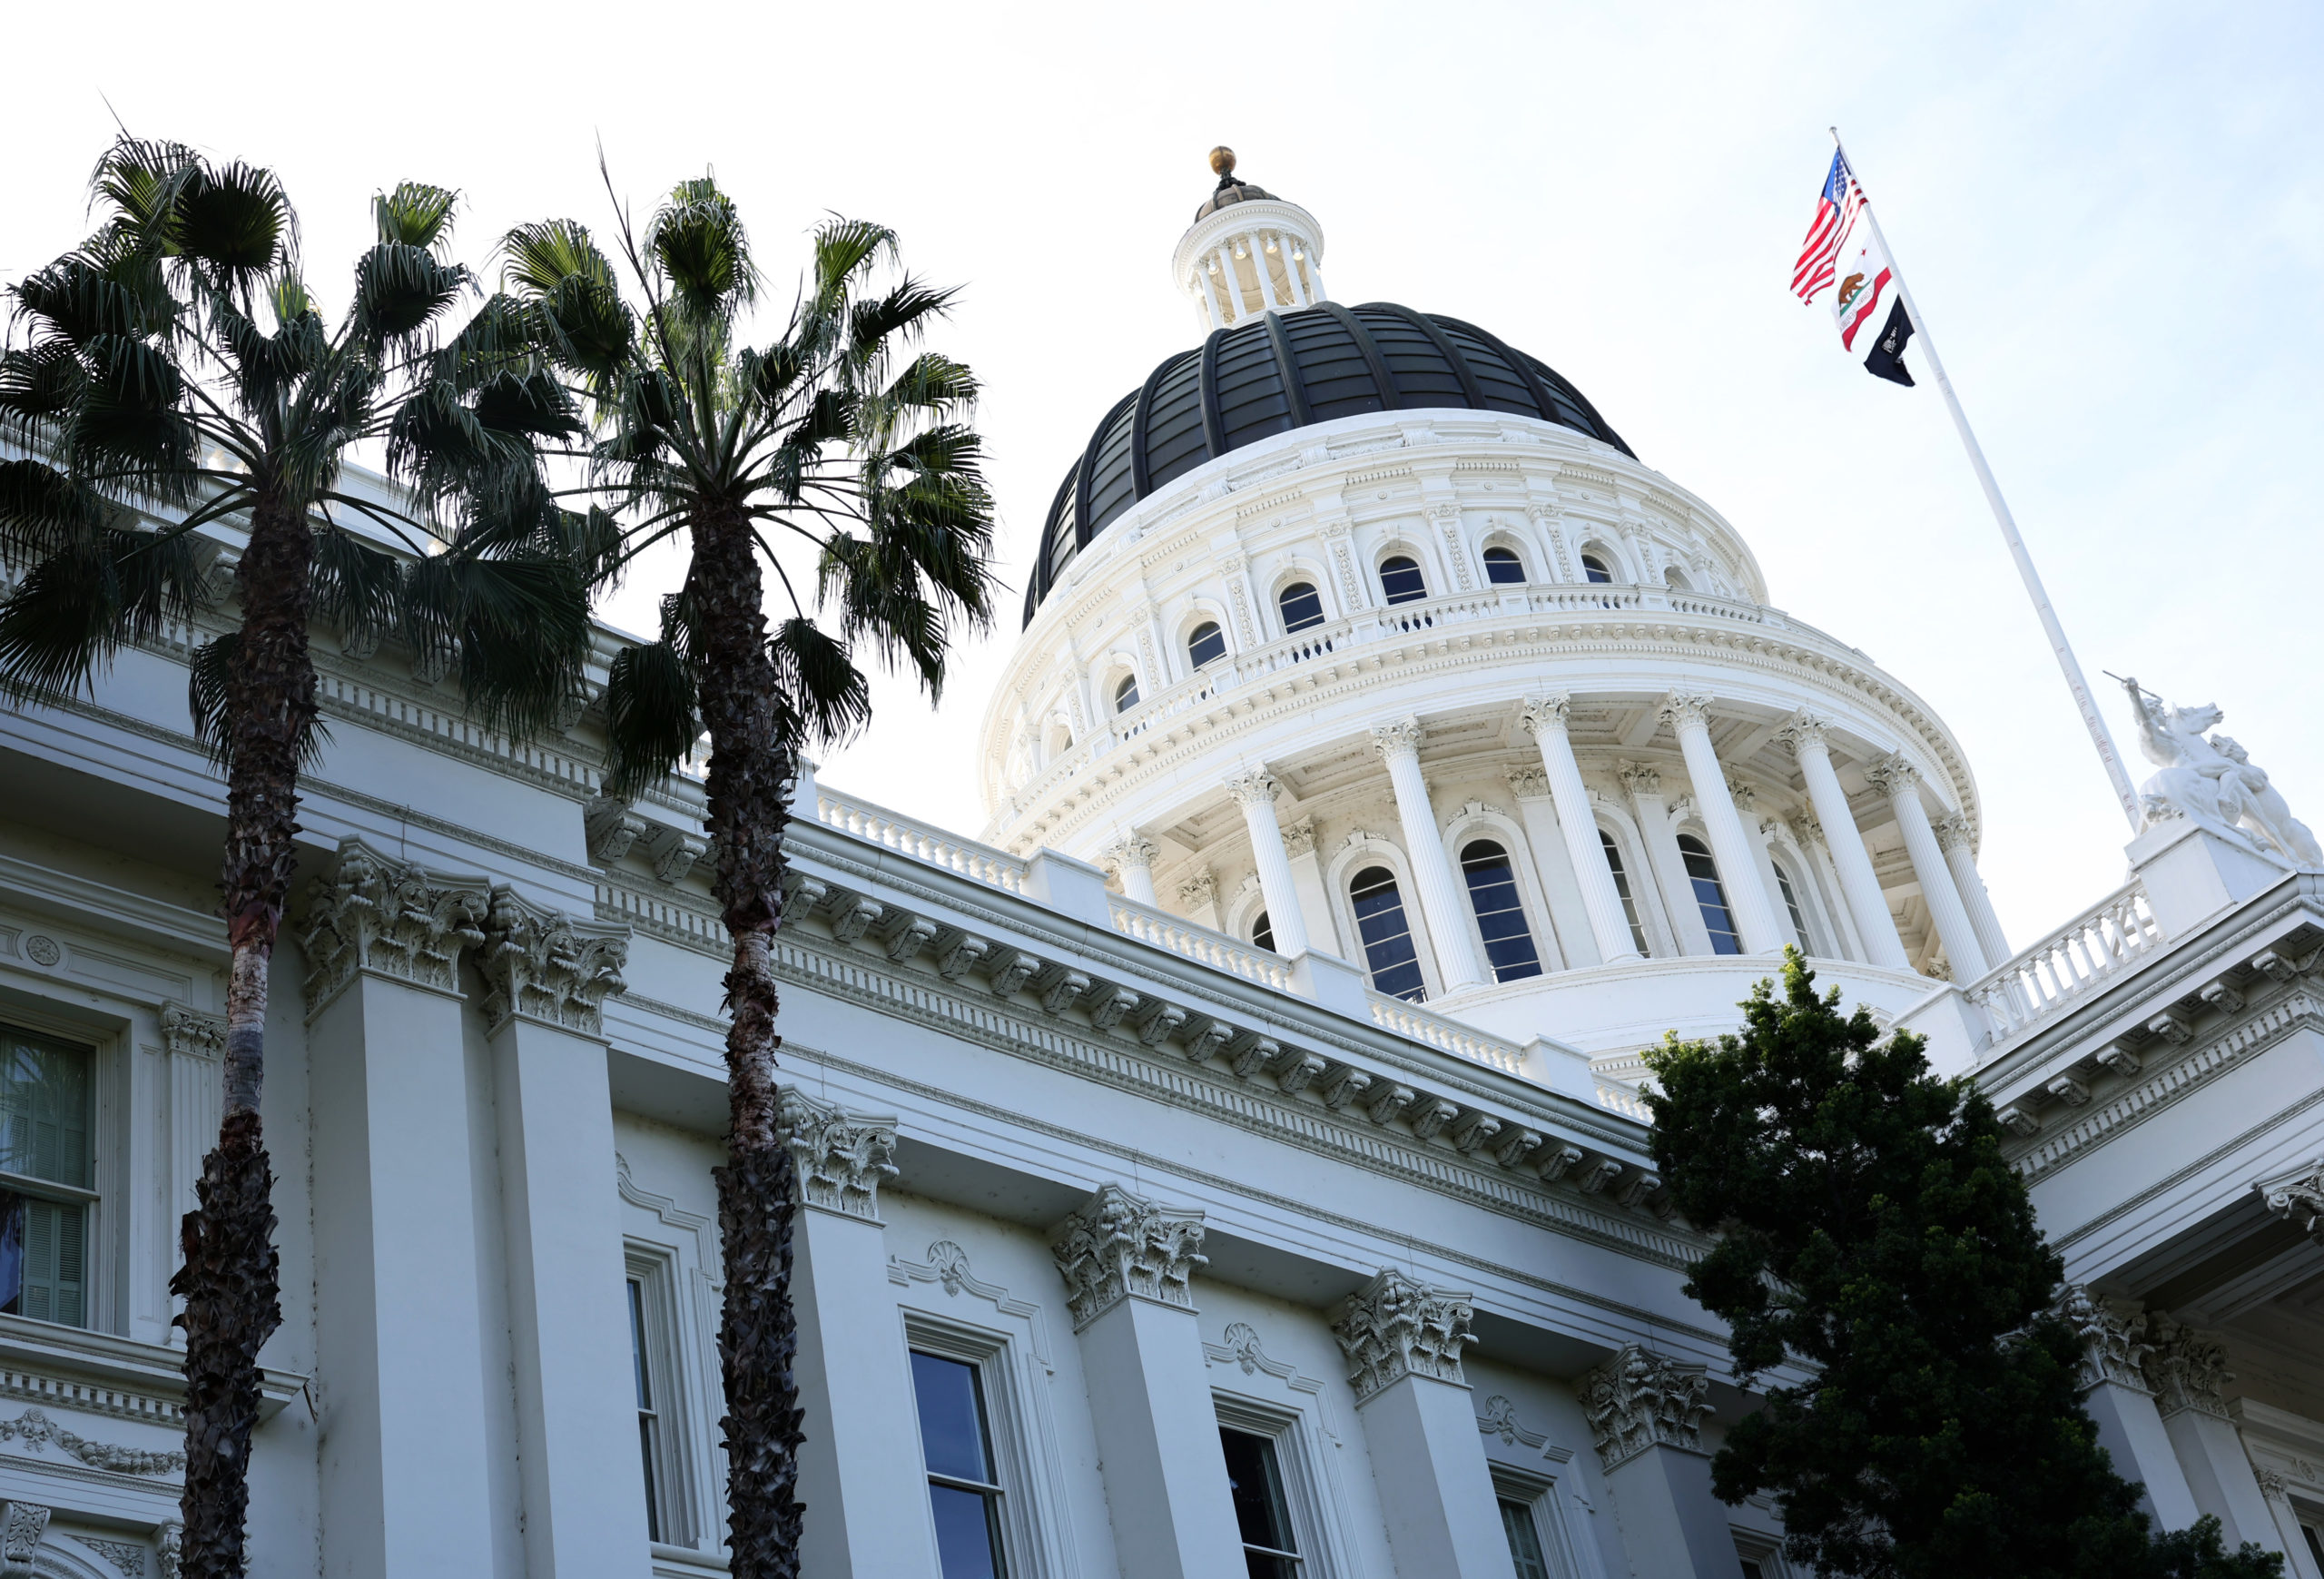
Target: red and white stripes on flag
x=1836 y=210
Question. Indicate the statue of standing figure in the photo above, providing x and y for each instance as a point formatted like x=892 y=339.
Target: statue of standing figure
x=2212 y=781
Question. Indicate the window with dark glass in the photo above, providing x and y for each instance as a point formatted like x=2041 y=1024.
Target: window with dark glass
x=2315 y=1543
x=1501 y=914
x=1302 y=607
x=1622 y=887
x=1503 y=568
x=1752 y=1570
x=1387 y=935
x=963 y=1489
x=1262 y=931
x=1710 y=895
x=1400 y=580
x=1262 y=1514
x=1524 y=1539
x=1207 y=645
x=1791 y=904
x=1594 y=568
x=649 y=1419
x=45 y=1173
x=1125 y=694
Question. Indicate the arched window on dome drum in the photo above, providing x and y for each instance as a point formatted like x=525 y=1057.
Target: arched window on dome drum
x=1206 y=644
x=1503 y=568
x=1622 y=887
x=1302 y=607
x=1710 y=895
x=1791 y=904
x=1400 y=580
x=1263 y=932
x=1501 y=914
x=1594 y=568
x=1125 y=694
x=1676 y=580
x=1387 y=935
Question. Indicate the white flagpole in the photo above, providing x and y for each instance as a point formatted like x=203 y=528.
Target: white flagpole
x=2099 y=737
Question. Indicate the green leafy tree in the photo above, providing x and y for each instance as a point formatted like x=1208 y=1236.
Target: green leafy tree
x=835 y=461
x=1870 y=1232
x=176 y=392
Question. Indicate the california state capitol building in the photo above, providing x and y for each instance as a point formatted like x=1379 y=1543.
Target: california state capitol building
x=1228 y=1159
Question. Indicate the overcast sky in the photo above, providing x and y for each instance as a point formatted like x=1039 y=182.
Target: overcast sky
x=2111 y=216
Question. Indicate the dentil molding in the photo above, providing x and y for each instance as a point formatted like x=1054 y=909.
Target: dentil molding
x=1396 y=1326
x=1117 y=1246
x=1641 y=1399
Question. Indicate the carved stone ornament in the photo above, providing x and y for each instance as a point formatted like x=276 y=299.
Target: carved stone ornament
x=1638 y=778
x=39 y=1433
x=1684 y=710
x=1639 y=1399
x=2114 y=1345
x=842 y=1158
x=373 y=913
x=2299 y=1199
x=1952 y=832
x=1893 y=776
x=1256 y=788
x=1806 y=827
x=1299 y=838
x=1395 y=1327
x=1402 y=738
x=1529 y=782
x=2186 y=1369
x=611 y=828
x=1555 y=712
x=1805 y=733
x=169 y=1546
x=538 y=965
x=1499 y=1419
x=1199 y=890
x=1131 y=850
x=129 y=1556
x=1118 y=1246
x=22 y=1525
x=190 y=1034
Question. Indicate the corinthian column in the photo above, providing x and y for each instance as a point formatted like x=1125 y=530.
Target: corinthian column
x=1132 y=855
x=1398 y=744
x=1738 y=870
x=1256 y=793
x=1805 y=736
x=1545 y=718
x=1953 y=838
x=1900 y=781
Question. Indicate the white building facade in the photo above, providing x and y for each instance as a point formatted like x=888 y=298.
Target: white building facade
x=1229 y=1163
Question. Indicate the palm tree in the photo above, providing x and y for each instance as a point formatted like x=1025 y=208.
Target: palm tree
x=839 y=459
x=177 y=376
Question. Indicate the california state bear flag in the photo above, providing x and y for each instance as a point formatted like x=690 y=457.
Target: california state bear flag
x=1864 y=278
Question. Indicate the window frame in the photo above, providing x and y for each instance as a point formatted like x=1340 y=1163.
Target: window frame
x=1607 y=559
x=654 y=1269
x=1315 y=585
x=1205 y=620
x=1538 y=1493
x=1518 y=857
x=1126 y=680
x=1419 y=571
x=1003 y=1380
x=1406 y=893
x=1734 y=928
x=1795 y=908
x=1516 y=557
x=106 y=1269
x=1626 y=880
x=1307 y=1497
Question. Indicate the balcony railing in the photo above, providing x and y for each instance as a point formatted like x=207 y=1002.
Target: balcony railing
x=1200 y=944
x=1414 y=1023
x=920 y=841
x=2068 y=965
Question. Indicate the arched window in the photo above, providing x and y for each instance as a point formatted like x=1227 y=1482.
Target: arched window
x=1400 y=580
x=1500 y=915
x=1302 y=607
x=1710 y=895
x=1503 y=568
x=1206 y=644
x=1262 y=931
x=1387 y=935
x=1594 y=568
x=1791 y=904
x=1622 y=887
x=1125 y=694
x=1676 y=580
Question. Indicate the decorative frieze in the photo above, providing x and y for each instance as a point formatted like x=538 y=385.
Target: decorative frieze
x=37 y=1431
x=373 y=913
x=1641 y=1399
x=2186 y=1369
x=1395 y=1327
x=1118 y=1245
x=842 y=1158
x=2114 y=1345
x=189 y=1033
x=539 y=965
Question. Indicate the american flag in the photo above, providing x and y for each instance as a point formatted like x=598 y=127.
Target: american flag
x=1836 y=212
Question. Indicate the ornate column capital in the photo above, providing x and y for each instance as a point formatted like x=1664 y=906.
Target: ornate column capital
x=1130 y=850
x=1553 y=712
x=2299 y=1199
x=190 y=1034
x=373 y=913
x=1199 y=889
x=2186 y=1369
x=1529 y=782
x=1745 y=797
x=538 y=965
x=1400 y=739
x=1952 y=832
x=1641 y=1399
x=1299 y=837
x=842 y=1158
x=1638 y=778
x=1395 y=1327
x=2114 y=1345
x=1118 y=1245
x=1257 y=787
x=1806 y=826
x=1805 y=733
x=1685 y=709
x=1892 y=775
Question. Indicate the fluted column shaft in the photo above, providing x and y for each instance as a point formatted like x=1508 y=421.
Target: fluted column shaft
x=1858 y=882
x=1901 y=782
x=1755 y=913
x=1256 y=793
x=1952 y=835
x=1210 y=293
x=1599 y=899
x=1291 y=272
x=1440 y=893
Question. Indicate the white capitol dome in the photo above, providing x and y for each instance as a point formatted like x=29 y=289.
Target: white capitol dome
x=1357 y=633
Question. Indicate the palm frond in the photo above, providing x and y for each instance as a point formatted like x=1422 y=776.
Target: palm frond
x=697 y=239
x=233 y=223
x=845 y=250
x=400 y=289
x=651 y=719
x=43 y=510
x=822 y=697
x=516 y=627
x=80 y=604
x=356 y=586
x=414 y=215
x=537 y=259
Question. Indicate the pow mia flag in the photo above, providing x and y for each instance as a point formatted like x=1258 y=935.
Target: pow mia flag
x=1887 y=358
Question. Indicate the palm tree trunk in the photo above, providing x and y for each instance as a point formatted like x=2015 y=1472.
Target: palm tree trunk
x=748 y=794
x=229 y=1278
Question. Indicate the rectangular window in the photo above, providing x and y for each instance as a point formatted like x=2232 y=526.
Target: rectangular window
x=956 y=1445
x=1524 y=1539
x=45 y=1170
x=649 y=1423
x=1262 y=1513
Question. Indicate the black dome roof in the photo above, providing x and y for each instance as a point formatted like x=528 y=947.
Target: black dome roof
x=1279 y=371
